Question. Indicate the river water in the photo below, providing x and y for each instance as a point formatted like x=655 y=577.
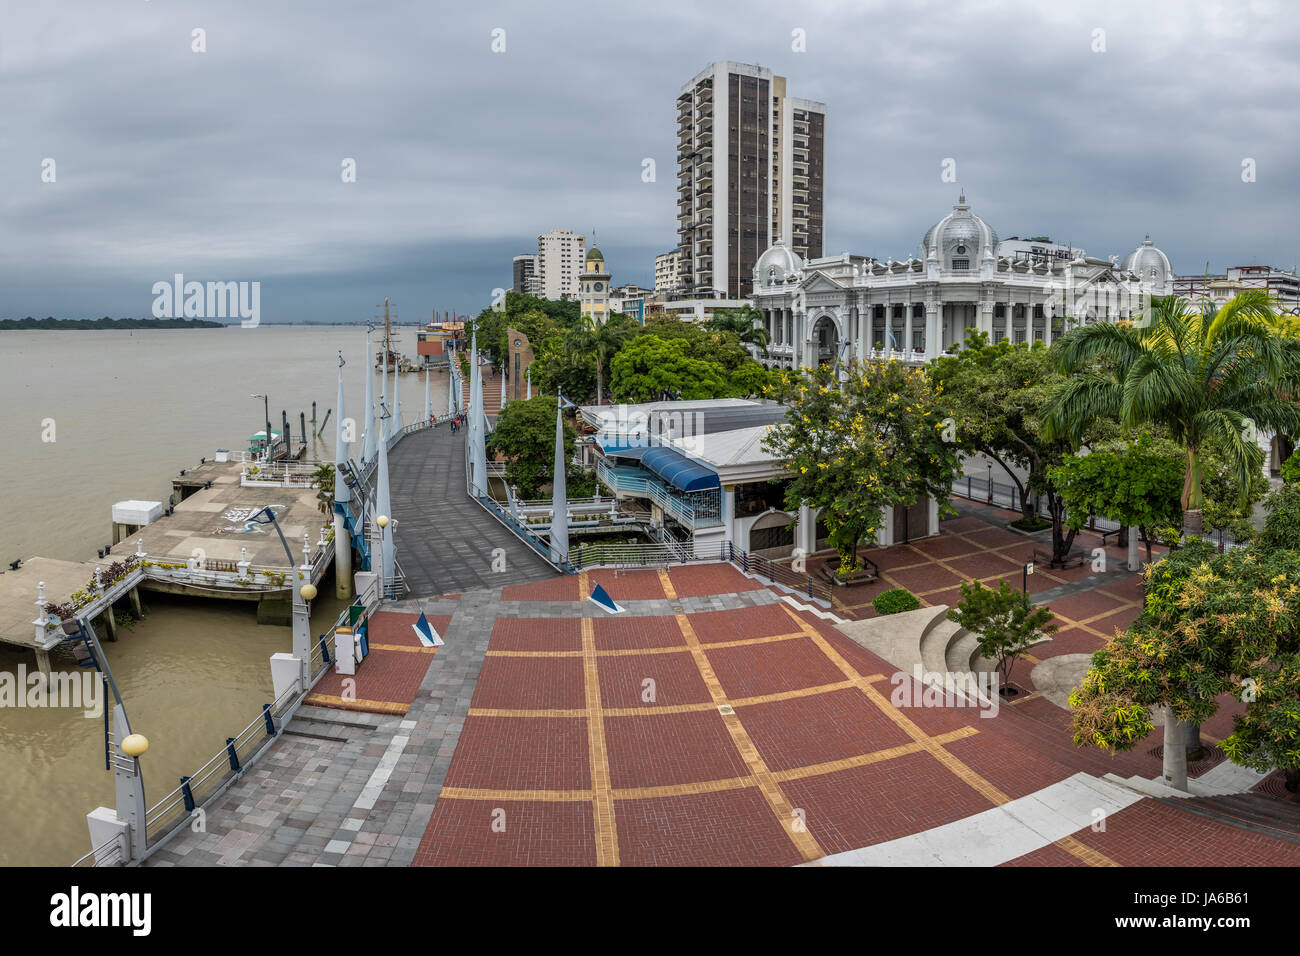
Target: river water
x=126 y=411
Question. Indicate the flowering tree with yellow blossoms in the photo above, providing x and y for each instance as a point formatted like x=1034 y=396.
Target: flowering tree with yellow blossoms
x=858 y=447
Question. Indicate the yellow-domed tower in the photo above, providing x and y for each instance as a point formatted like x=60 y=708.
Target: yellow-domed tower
x=594 y=287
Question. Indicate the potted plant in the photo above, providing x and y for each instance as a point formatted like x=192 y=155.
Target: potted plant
x=67 y=613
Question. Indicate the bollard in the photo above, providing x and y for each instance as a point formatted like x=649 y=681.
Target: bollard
x=324 y=651
x=234 y=757
x=187 y=794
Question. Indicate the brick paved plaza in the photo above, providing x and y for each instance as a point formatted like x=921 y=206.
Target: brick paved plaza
x=715 y=722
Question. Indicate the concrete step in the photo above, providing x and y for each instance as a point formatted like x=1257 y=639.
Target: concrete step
x=1250 y=811
x=934 y=644
x=962 y=652
x=1150 y=788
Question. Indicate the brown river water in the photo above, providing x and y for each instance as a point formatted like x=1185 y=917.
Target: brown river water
x=129 y=410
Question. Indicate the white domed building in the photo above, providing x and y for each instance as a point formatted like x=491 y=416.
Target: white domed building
x=966 y=278
x=1151 y=267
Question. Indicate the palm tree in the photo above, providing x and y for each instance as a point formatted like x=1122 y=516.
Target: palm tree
x=745 y=322
x=1207 y=376
x=323 y=480
x=600 y=340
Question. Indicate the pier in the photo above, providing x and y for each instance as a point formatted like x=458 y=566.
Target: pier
x=208 y=546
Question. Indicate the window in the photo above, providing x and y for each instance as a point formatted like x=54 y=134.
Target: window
x=961 y=264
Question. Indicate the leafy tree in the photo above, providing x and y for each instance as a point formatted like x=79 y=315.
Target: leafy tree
x=1211 y=622
x=525 y=437
x=601 y=341
x=1291 y=469
x=745 y=322
x=750 y=379
x=556 y=367
x=1204 y=375
x=323 y=480
x=710 y=345
x=1282 y=523
x=1137 y=485
x=1267 y=736
x=648 y=367
x=1006 y=622
x=997 y=395
x=1226 y=507
x=859 y=447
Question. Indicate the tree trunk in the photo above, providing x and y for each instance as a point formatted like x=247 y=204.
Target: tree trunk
x=1134 y=563
x=1193 y=523
x=1175 y=759
x=1196 y=750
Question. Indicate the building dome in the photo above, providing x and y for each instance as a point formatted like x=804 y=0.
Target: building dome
x=777 y=264
x=960 y=235
x=595 y=255
x=1149 y=264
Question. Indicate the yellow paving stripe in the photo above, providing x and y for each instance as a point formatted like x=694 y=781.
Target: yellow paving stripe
x=635 y=651
x=602 y=802
x=644 y=710
x=666 y=583
x=684 y=789
x=539 y=796
x=1084 y=852
x=583 y=587
x=863 y=760
x=523 y=712
x=357 y=703
x=1020 y=700
x=957 y=767
x=419 y=649
x=803 y=840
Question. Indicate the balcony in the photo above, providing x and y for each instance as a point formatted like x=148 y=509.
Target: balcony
x=693 y=511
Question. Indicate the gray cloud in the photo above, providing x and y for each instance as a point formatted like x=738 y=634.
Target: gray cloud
x=225 y=165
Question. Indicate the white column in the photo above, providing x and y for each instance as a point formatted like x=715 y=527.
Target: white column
x=729 y=511
x=907 y=332
x=932 y=338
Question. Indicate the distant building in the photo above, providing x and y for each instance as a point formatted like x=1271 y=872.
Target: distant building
x=525 y=279
x=1218 y=289
x=631 y=300
x=666 y=266
x=751 y=170
x=560 y=258
x=519 y=358
x=593 y=291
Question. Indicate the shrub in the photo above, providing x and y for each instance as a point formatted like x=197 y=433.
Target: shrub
x=1032 y=523
x=1291 y=469
x=895 y=600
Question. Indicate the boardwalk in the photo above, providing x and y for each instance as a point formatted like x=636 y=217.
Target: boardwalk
x=445 y=541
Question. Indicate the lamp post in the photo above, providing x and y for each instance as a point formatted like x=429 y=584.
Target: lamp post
x=266 y=410
x=990 y=464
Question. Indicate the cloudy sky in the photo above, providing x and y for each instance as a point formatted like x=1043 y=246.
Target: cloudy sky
x=225 y=164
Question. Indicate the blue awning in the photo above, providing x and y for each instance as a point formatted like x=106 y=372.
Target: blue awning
x=634 y=453
x=682 y=473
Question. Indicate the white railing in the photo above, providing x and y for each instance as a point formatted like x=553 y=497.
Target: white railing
x=671 y=504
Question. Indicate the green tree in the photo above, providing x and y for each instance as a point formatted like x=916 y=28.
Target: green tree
x=745 y=323
x=859 y=447
x=1203 y=375
x=601 y=341
x=1137 y=484
x=1006 y=622
x=1211 y=622
x=1282 y=521
x=525 y=437
x=558 y=368
x=997 y=396
x=323 y=480
x=648 y=367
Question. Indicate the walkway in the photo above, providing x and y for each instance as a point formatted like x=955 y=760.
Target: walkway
x=446 y=542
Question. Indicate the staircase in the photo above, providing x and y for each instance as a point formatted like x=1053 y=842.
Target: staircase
x=1249 y=811
x=493 y=385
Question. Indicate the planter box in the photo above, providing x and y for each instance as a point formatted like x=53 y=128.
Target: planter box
x=830 y=569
